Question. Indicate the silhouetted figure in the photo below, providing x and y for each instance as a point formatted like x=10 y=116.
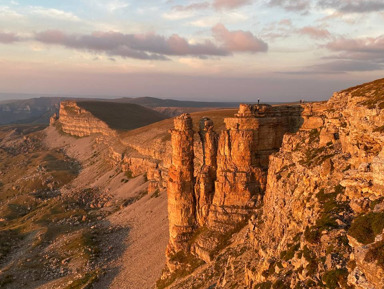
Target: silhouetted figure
x=258 y=101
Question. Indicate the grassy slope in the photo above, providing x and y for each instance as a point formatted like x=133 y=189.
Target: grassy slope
x=160 y=129
x=122 y=116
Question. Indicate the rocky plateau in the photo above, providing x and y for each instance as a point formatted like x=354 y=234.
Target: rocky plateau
x=282 y=196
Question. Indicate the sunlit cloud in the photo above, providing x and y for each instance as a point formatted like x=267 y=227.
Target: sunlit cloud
x=238 y=41
x=8 y=37
x=230 y=4
x=314 y=32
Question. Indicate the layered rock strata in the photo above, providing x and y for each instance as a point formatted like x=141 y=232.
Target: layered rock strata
x=79 y=122
x=232 y=177
x=181 y=198
x=206 y=177
x=321 y=221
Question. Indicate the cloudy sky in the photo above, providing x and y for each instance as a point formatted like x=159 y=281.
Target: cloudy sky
x=227 y=50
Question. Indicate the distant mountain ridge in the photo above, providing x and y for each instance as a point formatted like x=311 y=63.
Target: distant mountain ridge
x=39 y=110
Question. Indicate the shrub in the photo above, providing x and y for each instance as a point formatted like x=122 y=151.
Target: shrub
x=376 y=253
x=312 y=235
x=376 y=202
x=270 y=271
x=264 y=285
x=279 y=284
x=365 y=227
x=129 y=174
x=155 y=194
x=290 y=253
x=191 y=262
x=335 y=277
x=314 y=135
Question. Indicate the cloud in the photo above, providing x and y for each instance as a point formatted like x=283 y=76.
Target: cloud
x=193 y=6
x=353 y=6
x=338 y=67
x=238 y=41
x=139 y=46
x=8 y=37
x=53 y=13
x=367 y=45
x=291 y=5
x=314 y=32
x=230 y=4
x=352 y=55
x=182 y=12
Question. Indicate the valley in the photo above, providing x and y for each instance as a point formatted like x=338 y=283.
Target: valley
x=120 y=196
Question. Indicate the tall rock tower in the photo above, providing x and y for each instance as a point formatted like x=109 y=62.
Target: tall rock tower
x=206 y=177
x=240 y=180
x=181 y=197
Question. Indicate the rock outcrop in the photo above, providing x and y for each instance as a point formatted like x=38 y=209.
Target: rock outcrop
x=231 y=179
x=181 y=199
x=309 y=183
x=206 y=177
x=79 y=122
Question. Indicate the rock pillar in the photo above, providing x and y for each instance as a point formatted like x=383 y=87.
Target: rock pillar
x=205 y=182
x=239 y=179
x=181 y=198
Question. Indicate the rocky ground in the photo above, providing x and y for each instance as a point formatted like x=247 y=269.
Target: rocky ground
x=70 y=219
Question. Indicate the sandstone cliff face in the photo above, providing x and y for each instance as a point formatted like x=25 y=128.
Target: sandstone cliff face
x=79 y=122
x=205 y=182
x=230 y=180
x=181 y=200
x=320 y=222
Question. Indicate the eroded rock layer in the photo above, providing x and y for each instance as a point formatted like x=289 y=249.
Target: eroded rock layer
x=318 y=221
x=181 y=199
x=232 y=177
x=77 y=121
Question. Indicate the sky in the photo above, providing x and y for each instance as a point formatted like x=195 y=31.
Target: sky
x=214 y=50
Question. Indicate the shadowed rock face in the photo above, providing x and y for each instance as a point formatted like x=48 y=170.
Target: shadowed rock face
x=206 y=177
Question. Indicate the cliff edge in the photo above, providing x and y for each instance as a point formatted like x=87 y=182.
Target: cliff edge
x=286 y=197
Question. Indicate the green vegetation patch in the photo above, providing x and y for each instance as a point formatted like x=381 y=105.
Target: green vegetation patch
x=316 y=156
x=264 y=285
x=122 y=116
x=336 y=278
x=313 y=264
x=373 y=91
x=376 y=254
x=365 y=228
x=376 y=202
x=279 y=284
x=155 y=194
x=190 y=264
x=379 y=129
x=314 y=135
x=270 y=271
x=290 y=253
x=328 y=217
